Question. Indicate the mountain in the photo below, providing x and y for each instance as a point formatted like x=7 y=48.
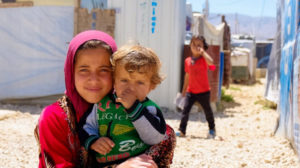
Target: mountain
x=262 y=28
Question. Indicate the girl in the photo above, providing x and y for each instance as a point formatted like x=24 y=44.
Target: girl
x=196 y=85
x=88 y=79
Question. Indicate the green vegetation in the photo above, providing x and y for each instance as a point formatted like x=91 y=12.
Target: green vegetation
x=266 y=104
x=226 y=98
x=234 y=88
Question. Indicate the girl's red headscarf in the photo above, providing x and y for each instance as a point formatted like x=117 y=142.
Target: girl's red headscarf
x=78 y=102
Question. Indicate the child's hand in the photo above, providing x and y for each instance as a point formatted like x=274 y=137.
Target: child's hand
x=103 y=145
x=127 y=98
x=200 y=51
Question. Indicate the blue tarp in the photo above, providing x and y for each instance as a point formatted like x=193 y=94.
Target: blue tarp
x=289 y=123
x=285 y=85
x=290 y=20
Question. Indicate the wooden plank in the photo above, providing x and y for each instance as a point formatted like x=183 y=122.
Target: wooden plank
x=77 y=5
x=97 y=19
x=17 y=4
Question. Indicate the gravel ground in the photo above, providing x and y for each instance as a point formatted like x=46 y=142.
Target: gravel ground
x=244 y=128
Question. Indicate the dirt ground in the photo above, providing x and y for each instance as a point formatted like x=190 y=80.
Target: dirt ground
x=244 y=128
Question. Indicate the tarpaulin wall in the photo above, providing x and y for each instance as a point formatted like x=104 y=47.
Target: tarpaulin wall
x=296 y=98
x=33 y=45
x=289 y=74
x=159 y=25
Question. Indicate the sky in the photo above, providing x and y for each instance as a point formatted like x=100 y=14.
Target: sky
x=254 y=8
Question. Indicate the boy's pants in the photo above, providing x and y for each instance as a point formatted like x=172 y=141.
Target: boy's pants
x=204 y=100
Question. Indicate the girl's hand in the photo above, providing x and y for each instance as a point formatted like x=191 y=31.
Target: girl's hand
x=103 y=145
x=141 y=161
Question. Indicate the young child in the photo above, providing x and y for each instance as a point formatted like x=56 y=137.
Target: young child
x=126 y=123
x=196 y=84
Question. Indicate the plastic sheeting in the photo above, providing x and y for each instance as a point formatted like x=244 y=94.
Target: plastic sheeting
x=286 y=67
x=285 y=88
x=159 y=25
x=33 y=45
x=273 y=73
x=212 y=34
x=289 y=123
x=296 y=98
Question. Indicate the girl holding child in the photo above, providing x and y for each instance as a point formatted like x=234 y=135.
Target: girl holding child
x=88 y=79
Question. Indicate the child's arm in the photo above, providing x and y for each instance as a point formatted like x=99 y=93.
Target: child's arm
x=206 y=56
x=89 y=134
x=88 y=128
x=148 y=121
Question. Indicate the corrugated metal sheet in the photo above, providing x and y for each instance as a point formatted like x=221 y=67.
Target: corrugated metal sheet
x=159 y=25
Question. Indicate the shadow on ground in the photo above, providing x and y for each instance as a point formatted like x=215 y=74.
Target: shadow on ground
x=32 y=109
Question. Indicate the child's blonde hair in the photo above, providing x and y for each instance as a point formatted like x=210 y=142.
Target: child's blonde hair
x=139 y=59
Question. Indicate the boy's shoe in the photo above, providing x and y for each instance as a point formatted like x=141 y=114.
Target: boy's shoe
x=211 y=134
x=180 y=134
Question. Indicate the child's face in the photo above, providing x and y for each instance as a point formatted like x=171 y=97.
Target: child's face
x=196 y=45
x=93 y=75
x=138 y=83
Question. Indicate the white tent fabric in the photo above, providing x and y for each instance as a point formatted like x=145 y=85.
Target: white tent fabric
x=159 y=25
x=33 y=47
x=212 y=34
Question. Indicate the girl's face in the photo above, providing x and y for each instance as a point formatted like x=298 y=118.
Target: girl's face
x=93 y=75
x=137 y=83
x=196 y=45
